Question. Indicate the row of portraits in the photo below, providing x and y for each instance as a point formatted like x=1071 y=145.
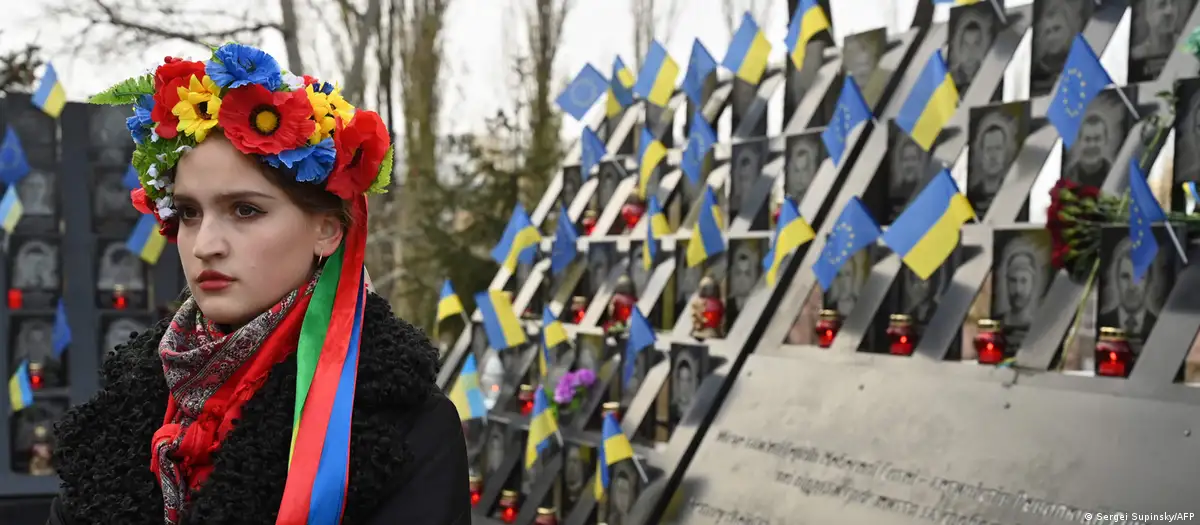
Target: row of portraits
x=36 y=268
x=31 y=337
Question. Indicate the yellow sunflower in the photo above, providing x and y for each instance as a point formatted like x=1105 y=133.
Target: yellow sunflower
x=325 y=108
x=198 y=107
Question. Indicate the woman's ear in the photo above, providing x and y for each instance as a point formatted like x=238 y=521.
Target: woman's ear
x=329 y=235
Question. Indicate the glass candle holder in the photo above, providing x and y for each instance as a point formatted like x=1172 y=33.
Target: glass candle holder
x=828 y=325
x=901 y=335
x=990 y=346
x=1114 y=356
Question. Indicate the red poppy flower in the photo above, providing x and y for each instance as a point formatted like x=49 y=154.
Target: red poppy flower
x=361 y=146
x=260 y=122
x=308 y=81
x=141 y=201
x=168 y=78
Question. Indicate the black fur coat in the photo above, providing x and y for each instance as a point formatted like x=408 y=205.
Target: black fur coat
x=408 y=460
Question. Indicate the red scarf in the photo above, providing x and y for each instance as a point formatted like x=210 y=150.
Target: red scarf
x=210 y=376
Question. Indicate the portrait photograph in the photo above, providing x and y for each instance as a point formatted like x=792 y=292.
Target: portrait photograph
x=907 y=164
x=803 y=158
x=39 y=133
x=1102 y=132
x=572 y=181
x=623 y=491
x=1154 y=32
x=479 y=342
x=119 y=329
x=1187 y=135
x=689 y=365
x=119 y=271
x=579 y=464
x=642 y=362
x=1021 y=274
x=996 y=135
x=919 y=297
x=1055 y=24
x=638 y=273
x=39 y=200
x=746 y=167
x=112 y=212
x=34 y=268
x=110 y=145
x=513 y=362
x=600 y=258
x=492 y=374
x=494 y=450
x=687 y=279
x=33 y=427
x=610 y=175
x=744 y=270
x=31 y=337
x=849 y=282
x=592 y=348
x=1128 y=304
x=973 y=28
x=861 y=53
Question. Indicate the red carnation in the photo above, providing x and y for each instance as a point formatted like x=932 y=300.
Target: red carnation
x=144 y=204
x=168 y=78
x=361 y=146
x=259 y=122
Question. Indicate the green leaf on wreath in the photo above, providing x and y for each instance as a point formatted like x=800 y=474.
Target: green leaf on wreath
x=385 y=173
x=125 y=92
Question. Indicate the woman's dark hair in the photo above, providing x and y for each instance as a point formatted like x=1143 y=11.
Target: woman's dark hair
x=310 y=197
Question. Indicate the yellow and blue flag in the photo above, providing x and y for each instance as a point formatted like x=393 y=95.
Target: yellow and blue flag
x=792 y=232
x=1083 y=77
x=500 y=323
x=700 y=66
x=448 y=304
x=594 y=149
x=61 y=338
x=50 y=96
x=930 y=104
x=855 y=229
x=130 y=179
x=553 y=332
x=748 y=51
x=14 y=166
x=656 y=228
x=11 y=209
x=145 y=240
x=651 y=153
x=851 y=110
x=707 y=238
x=701 y=138
x=542 y=426
x=641 y=336
x=583 y=92
x=656 y=79
x=614 y=448
x=808 y=21
x=1144 y=210
x=927 y=232
x=20 y=388
x=1193 y=193
x=466 y=394
x=620 y=89
x=564 y=249
x=519 y=242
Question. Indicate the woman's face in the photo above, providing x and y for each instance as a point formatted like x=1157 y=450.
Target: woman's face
x=244 y=243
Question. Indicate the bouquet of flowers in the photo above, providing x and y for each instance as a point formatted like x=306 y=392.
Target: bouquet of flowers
x=572 y=389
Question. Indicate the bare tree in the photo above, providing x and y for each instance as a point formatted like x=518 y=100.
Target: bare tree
x=545 y=25
x=759 y=9
x=651 y=18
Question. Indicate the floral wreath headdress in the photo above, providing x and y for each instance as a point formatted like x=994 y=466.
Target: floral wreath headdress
x=305 y=128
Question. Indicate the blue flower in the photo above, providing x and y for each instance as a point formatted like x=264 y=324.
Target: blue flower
x=311 y=163
x=237 y=65
x=140 y=123
x=323 y=87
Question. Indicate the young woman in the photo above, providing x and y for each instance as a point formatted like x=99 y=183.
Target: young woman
x=282 y=391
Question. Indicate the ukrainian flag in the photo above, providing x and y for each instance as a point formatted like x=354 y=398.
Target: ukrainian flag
x=20 y=388
x=519 y=242
x=542 y=426
x=11 y=209
x=448 y=304
x=928 y=230
x=931 y=103
x=792 y=232
x=707 y=239
x=652 y=153
x=50 y=96
x=620 y=89
x=656 y=227
x=809 y=20
x=146 y=241
x=499 y=321
x=553 y=333
x=614 y=448
x=748 y=51
x=1189 y=188
x=466 y=394
x=656 y=80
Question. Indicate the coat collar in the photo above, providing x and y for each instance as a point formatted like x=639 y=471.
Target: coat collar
x=103 y=446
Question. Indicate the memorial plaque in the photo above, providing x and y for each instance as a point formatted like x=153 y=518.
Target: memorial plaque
x=1132 y=304
x=748 y=159
x=31 y=337
x=119 y=271
x=38 y=192
x=919 y=297
x=591 y=349
x=642 y=362
x=497 y=445
x=600 y=258
x=689 y=365
x=1155 y=27
x=745 y=268
x=118 y=329
x=1187 y=136
x=973 y=28
x=38 y=131
x=861 y=54
x=572 y=180
x=578 y=465
x=638 y=273
x=849 y=282
x=611 y=174
x=479 y=342
x=1101 y=134
x=110 y=144
x=33 y=436
x=687 y=279
x=893 y=442
x=907 y=163
x=112 y=212
x=622 y=492
x=1021 y=273
x=492 y=374
x=35 y=269
x=510 y=359
x=997 y=133
x=805 y=153
x=1055 y=24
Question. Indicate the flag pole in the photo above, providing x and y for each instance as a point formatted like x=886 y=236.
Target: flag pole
x=641 y=472
x=1175 y=241
x=999 y=12
x=1128 y=103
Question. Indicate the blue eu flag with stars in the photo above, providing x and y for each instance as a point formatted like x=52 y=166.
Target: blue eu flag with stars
x=1082 y=78
x=701 y=138
x=855 y=230
x=1143 y=212
x=851 y=110
x=587 y=87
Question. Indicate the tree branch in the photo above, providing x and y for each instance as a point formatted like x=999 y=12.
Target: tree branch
x=111 y=17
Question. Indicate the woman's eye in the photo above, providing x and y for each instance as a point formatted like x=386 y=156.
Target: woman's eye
x=188 y=213
x=246 y=211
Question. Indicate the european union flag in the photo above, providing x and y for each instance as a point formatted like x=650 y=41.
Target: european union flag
x=851 y=110
x=594 y=149
x=641 y=337
x=700 y=66
x=583 y=92
x=855 y=230
x=13 y=164
x=1083 y=77
x=564 y=249
x=61 y=338
x=701 y=137
x=1143 y=211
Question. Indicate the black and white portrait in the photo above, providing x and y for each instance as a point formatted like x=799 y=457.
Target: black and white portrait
x=33 y=338
x=907 y=162
x=578 y=466
x=919 y=297
x=642 y=361
x=804 y=155
x=972 y=30
x=746 y=168
x=572 y=180
x=688 y=365
x=848 y=283
x=1128 y=304
x=687 y=279
x=491 y=373
x=1102 y=132
x=1055 y=24
x=35 y=265
x=599 y=260
x=110 y=147
x=120 y=268
x=622 y=492
x=1154 y=31
x=592 y=349
x=111 y=207
x=997 y=133
x=37 y=194
x=1021 y=273
x=610 y=177
x=497 y=444
x=118 y=331
x=1187 y=131
x=861 y=53
x=39 y=132
x=638 y=274
x=745 y=266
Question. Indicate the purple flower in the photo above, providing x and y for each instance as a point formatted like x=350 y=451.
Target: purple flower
x=585 y=377
x=563 y=392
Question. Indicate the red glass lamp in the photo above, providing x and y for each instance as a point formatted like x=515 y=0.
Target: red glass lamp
x=902 y=337
x=37 y=378
x=508 y=506
x=589 y=222
x=632 y=212
x=119 y=301
x=16 y=298
x=1114 y=357
x=578 y=308
x=828 y=325
x=990 y=345
x=525 y=398
x=546 y=516
x=475 y=482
